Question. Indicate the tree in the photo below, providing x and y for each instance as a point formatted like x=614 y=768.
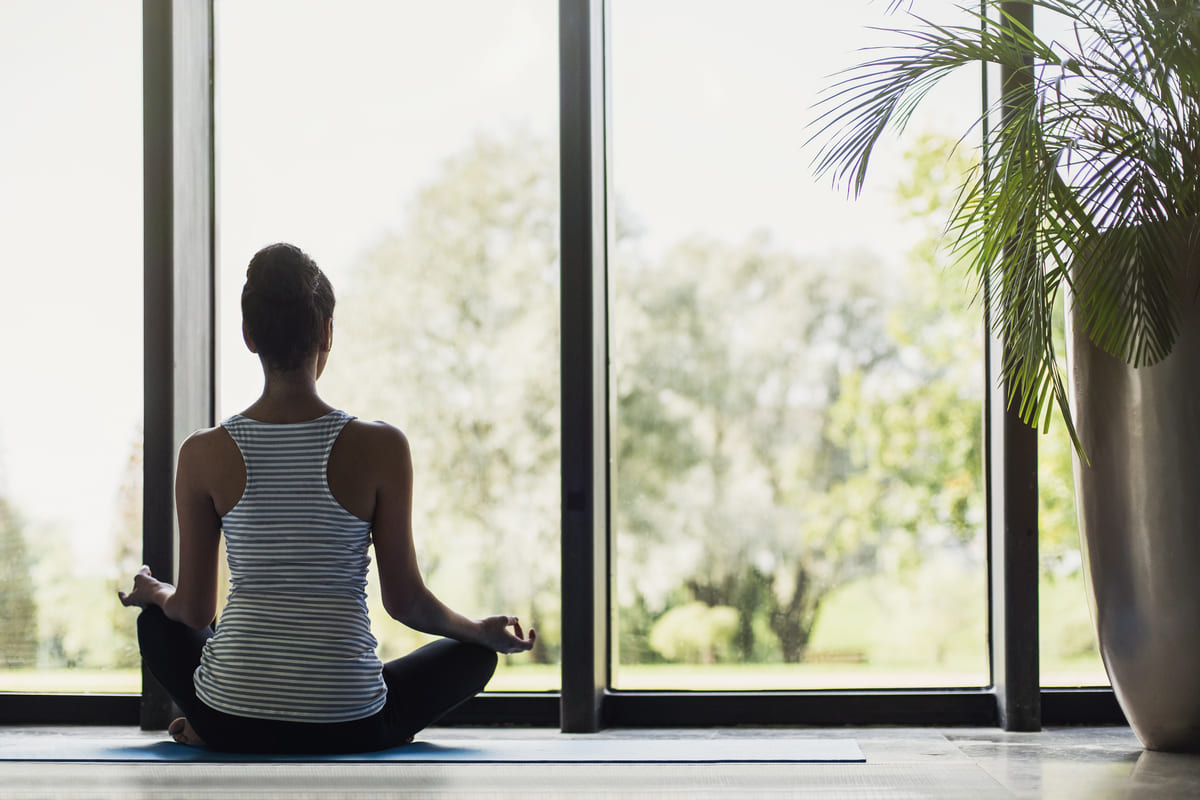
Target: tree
x=727 y=358
x=81 y=624
x=450 y=330
x=695 y=632
x=18 y=609
x=779 y=431
x=127 y=547
x=782 y=430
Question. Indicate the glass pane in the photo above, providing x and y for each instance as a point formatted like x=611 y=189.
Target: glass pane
x=798 y=378
x=411 y=149
x=71 y=409
x=1069 y=654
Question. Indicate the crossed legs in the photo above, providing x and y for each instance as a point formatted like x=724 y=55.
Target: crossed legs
x=172 y=651
x=430 y=681
x=422 y=687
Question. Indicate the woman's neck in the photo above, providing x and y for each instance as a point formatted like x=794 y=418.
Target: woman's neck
x=289 y=396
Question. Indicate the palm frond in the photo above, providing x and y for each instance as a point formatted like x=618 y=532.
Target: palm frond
x=1091 y=180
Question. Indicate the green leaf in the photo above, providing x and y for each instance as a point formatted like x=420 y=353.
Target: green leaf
x=1091 y=178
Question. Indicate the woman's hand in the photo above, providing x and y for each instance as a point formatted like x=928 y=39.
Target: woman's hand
x=147 y=590
x=494 y=633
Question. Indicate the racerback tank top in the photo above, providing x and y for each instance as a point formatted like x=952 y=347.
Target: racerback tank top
x=294 y=641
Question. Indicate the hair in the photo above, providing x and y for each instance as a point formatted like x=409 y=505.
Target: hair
x=285 y=303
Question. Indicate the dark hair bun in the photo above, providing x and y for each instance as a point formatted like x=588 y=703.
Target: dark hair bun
x=285 y=303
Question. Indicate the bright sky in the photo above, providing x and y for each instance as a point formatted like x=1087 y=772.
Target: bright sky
x=71 y=239
x=330 y=115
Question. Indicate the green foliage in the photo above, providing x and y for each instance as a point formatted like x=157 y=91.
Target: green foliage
x=935 y=615
x=449 y=330
x=1058 y=533
x=724 y=359
x=633 y=623
x=78 y=621
x=780 y=430
x=1090 y=179
x=18 y=608
x=696 y=633
x=787 y=427
x=127 y=545
x=1066 y=631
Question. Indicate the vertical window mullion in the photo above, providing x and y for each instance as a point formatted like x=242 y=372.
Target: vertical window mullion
x=1012 y=512
x=178 y=263
x=584 y=354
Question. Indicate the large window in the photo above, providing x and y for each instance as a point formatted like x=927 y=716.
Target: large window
x=798 y=378
x=411 y=148
x=781 y=391
x=71 y=409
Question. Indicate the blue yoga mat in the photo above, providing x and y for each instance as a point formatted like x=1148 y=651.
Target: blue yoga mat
x=82 y=747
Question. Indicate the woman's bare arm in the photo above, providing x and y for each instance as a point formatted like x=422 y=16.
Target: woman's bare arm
x=406 y=598
x=193 y=600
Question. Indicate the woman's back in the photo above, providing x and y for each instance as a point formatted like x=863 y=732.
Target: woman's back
x=301 y=492
x=294 y=640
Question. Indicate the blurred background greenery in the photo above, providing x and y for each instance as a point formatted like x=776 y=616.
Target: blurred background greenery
x=797 y=454
x=796 y=426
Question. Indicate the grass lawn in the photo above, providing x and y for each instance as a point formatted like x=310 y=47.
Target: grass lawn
x=71 y=681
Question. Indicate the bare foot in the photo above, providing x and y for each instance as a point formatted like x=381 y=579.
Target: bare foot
x=181 y=731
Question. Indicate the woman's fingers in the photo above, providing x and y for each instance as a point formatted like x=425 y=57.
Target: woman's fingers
x=526 y=641
x=129 y=598
x=505 y=641
x=141 y=580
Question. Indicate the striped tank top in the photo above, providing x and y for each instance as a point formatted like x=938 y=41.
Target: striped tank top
x=294 y=641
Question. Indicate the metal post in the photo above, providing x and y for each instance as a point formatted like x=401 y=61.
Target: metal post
x=584 y=342
x=1012 y=516
x=178 y=262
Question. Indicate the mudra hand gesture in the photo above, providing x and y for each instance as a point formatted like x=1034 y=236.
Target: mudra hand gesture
x=497 y=636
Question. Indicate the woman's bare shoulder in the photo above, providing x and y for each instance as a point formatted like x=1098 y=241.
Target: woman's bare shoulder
x=208 y=442
x=375 y=428
x=376 y=439
x=211 y=463
x=367 y=459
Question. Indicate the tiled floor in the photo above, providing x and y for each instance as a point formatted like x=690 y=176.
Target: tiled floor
x=970 y=763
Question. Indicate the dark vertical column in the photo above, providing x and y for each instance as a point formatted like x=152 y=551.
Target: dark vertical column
x=1012 y=516
x=178 y=263
x=584 y=354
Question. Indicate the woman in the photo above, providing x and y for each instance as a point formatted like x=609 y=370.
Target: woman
x=300 y=491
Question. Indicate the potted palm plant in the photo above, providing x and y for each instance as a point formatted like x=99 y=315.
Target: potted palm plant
x=1088 y=190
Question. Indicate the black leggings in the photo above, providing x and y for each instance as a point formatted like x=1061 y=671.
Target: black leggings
x=421 y=687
